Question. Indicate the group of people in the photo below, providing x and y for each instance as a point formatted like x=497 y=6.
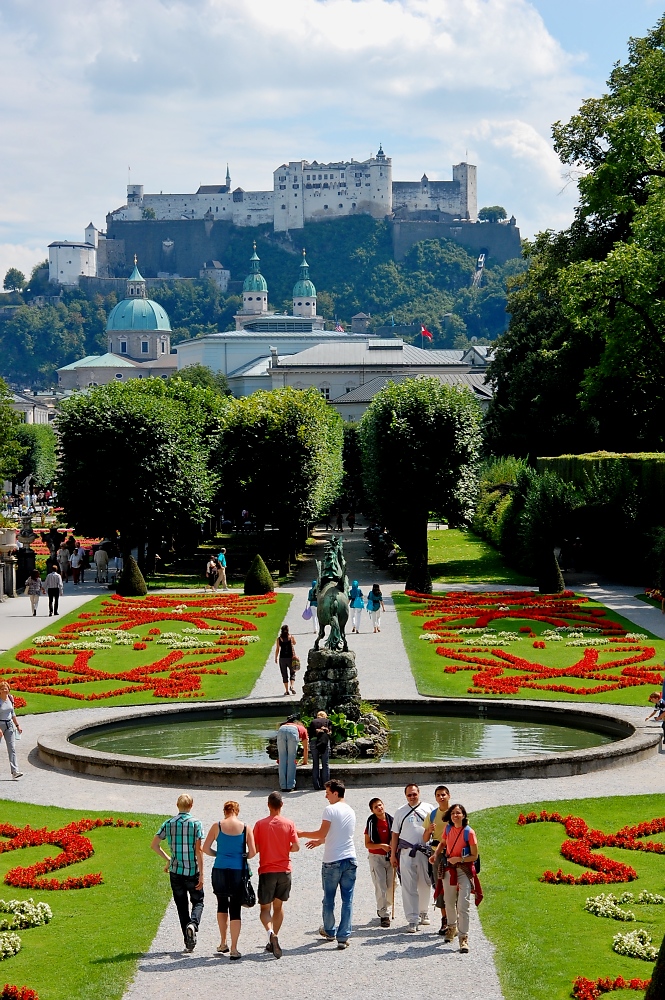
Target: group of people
x=357 y=604
x=216 y=571
x=432 y=850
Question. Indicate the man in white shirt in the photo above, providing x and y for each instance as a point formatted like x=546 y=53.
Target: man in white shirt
x=409 y=852
x=339 y=865
x=54 y=589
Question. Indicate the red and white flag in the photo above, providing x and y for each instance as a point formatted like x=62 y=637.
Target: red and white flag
x=339 y=328
x=425 y=333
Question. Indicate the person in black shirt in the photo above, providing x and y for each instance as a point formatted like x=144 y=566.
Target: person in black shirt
x=319 y=733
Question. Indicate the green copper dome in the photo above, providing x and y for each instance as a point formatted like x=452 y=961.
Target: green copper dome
x=303 y=287
x=255 y=282
x=138 y=314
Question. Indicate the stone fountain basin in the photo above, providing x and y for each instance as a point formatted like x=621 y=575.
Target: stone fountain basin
x=632 y=741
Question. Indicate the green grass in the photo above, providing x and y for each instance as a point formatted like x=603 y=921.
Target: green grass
x=428 y=667
x=543 y=936
x=90 y=949
x=238 y=683
x=457 y=556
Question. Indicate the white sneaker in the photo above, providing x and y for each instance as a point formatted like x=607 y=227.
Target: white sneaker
x=424 y=919
x=412 y=929
x=19 y=774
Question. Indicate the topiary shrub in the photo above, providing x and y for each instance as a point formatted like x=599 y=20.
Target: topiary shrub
x=131 y=582
x=548 y=573
x=258 y=579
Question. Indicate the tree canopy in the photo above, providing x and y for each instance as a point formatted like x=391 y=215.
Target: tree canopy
x=39 y=458
x=14 y=280
x=11 y=450
x=492 y=213
x=420 y=442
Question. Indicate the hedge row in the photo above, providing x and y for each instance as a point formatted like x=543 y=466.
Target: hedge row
x=647 y=469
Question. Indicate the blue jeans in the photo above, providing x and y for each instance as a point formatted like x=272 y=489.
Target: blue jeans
x=342 y=874
x=320 y=768
x=287 y=748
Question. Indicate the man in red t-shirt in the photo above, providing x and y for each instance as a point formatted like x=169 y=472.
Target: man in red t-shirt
x=377 y=842
x=275 y=838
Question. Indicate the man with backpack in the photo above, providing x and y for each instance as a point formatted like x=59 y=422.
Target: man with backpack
x=433 y=835
x=411 y=856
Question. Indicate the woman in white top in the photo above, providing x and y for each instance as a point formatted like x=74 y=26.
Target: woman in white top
x=8 y=727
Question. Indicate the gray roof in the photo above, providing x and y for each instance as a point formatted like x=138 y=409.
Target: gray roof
x=370 y=353
x=258 y=366
x=316 y=335
x=101 y=361
x=365 y=393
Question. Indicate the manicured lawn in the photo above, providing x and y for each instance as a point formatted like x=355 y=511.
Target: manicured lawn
x=453 y=676
x=461 y=557
x=187 y=673
x=90 y=948
x=543 y=936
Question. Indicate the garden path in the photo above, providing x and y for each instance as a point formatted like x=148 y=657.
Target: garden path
x=17 y=622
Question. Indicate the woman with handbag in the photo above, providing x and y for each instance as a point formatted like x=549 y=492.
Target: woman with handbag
x=285 y=651
x=235 y=844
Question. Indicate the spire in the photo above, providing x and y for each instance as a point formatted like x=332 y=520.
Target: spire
x=255 y=261
x=228 y=177
x=136 y=283
x=304 y=267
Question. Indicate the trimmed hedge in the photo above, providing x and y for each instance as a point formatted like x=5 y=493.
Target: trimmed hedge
x=646 y=468
x=258 y=579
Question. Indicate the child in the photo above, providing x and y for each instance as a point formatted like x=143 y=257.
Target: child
x=377 y=842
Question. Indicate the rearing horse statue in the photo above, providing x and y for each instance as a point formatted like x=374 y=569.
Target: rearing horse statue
x=332 y=596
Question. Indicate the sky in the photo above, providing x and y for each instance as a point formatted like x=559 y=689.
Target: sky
x=174 y=89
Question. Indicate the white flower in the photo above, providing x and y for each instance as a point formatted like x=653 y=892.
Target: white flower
x=26 y=913
x=430 y=637
x=635 y=636
x=10 y=944
x=605 y=905
x=651 y=898
x=589 y=641
x=635 y=944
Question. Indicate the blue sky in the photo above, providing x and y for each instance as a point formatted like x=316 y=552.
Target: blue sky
x=176 y=88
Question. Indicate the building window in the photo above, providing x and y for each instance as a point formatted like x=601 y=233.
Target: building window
x=300 y=303
x=325 y=206
x=306 y=303
x=325 y=392
x=123 y=346
x=249 y=298
x=295 y=186
x=342 y=176
x=118 y=374
x=340 y=205
x=164 y=376
x=144 y=347
x=163 y=348
x=283 y=206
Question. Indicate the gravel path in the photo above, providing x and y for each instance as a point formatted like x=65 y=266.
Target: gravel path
x=17 y=622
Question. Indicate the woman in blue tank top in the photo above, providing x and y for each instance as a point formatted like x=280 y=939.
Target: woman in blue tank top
x=227 y=872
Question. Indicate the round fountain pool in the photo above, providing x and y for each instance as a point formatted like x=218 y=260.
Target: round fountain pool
x=420 y=738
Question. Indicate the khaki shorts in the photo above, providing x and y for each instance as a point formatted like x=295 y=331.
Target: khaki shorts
x=274 y=885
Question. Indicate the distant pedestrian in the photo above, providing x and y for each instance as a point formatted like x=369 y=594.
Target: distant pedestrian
x=9 y=727
x=320 y=733
x=63 y=556
x=85 y=561
x=313 y=605
x=340 y=522
x=289 y=735
x=34 y=588
x=184 y=834
x=339 y=867
x=101 y=559
x=409 y=854
x=233 y=840
x=351 y=520
x=75 y=563
x=375 y=606
x=275 y=839
x=356 y=603
x=221 y=570
x=377 y=842
x=54 y=589
x=285 y=651
x=211 y=572
x=71 y=544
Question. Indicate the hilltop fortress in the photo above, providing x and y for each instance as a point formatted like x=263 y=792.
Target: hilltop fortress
x=305 y=192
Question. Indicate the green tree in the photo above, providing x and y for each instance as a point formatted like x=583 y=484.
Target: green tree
x=148 y=213
x=420 y=443
x=492 y=213
x=39 y=458
x=204 y=377
x=145 y=444
x=11 y=450
x=14 y=280
x=280 y=455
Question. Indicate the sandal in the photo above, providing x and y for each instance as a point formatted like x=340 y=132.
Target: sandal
x=234 y=955
x=222 y=948
x=293 y=690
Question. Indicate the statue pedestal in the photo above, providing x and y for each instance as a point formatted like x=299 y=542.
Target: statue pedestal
x=331 y=684
x=26 y=564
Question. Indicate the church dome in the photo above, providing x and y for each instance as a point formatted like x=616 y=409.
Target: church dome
x=255 y=282
x=138 y=314
x=303 y=287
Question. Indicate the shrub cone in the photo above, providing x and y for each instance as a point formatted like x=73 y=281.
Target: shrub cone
x=258 y=579
x=550 y=580
x=131 y=583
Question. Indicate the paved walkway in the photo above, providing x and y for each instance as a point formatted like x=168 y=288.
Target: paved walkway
x=17 y=622
x=379 y=962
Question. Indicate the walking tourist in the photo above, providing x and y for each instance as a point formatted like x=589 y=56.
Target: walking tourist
x=101 y=559
x=339 y=866
x=275 y=839
x=461 y=847
x=377 y=842
x=211 y=572
x=235 y=841
x=319 y=733
x=409 y=854
x=75 y=563
x=375 y=606
x=289 y=735
x=184 y=834
x=433 y=836
x=9 y=727
x=221 y=570
x=54 y=589
x=313 y=605
x=34 y=588
x=340 y=521
x=285 y=651
x=356 y=603
x=63 y=556
x=351 y=520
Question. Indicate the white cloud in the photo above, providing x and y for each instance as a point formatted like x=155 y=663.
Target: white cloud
x=175 y=88
x=21 y=256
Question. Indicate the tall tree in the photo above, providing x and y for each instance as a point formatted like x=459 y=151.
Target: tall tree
x=14 y=280
x=420 y=442
x=39 y=458
x=11 y=450
x=280 y=455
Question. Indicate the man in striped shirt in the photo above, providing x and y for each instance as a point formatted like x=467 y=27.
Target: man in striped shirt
x=54 y=589
x=184 y=835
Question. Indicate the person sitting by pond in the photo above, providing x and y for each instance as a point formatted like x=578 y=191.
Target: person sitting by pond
x=375 y=606
x=357 y=603
x=285 y=651
x=289 y=735
x=232 y=836
x=461 y=846
x=313 y=605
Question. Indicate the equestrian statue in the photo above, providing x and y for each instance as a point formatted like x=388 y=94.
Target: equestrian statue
x=332 y=596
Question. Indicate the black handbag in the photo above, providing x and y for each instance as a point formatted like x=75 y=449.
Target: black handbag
x=247 y=894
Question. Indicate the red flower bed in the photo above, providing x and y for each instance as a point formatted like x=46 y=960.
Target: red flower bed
x=10 y=992
x=590 y=989
x=75 y=848
x=40 y=674
x=584 y=841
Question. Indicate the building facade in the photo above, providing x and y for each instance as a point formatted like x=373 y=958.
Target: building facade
x=67 y=261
